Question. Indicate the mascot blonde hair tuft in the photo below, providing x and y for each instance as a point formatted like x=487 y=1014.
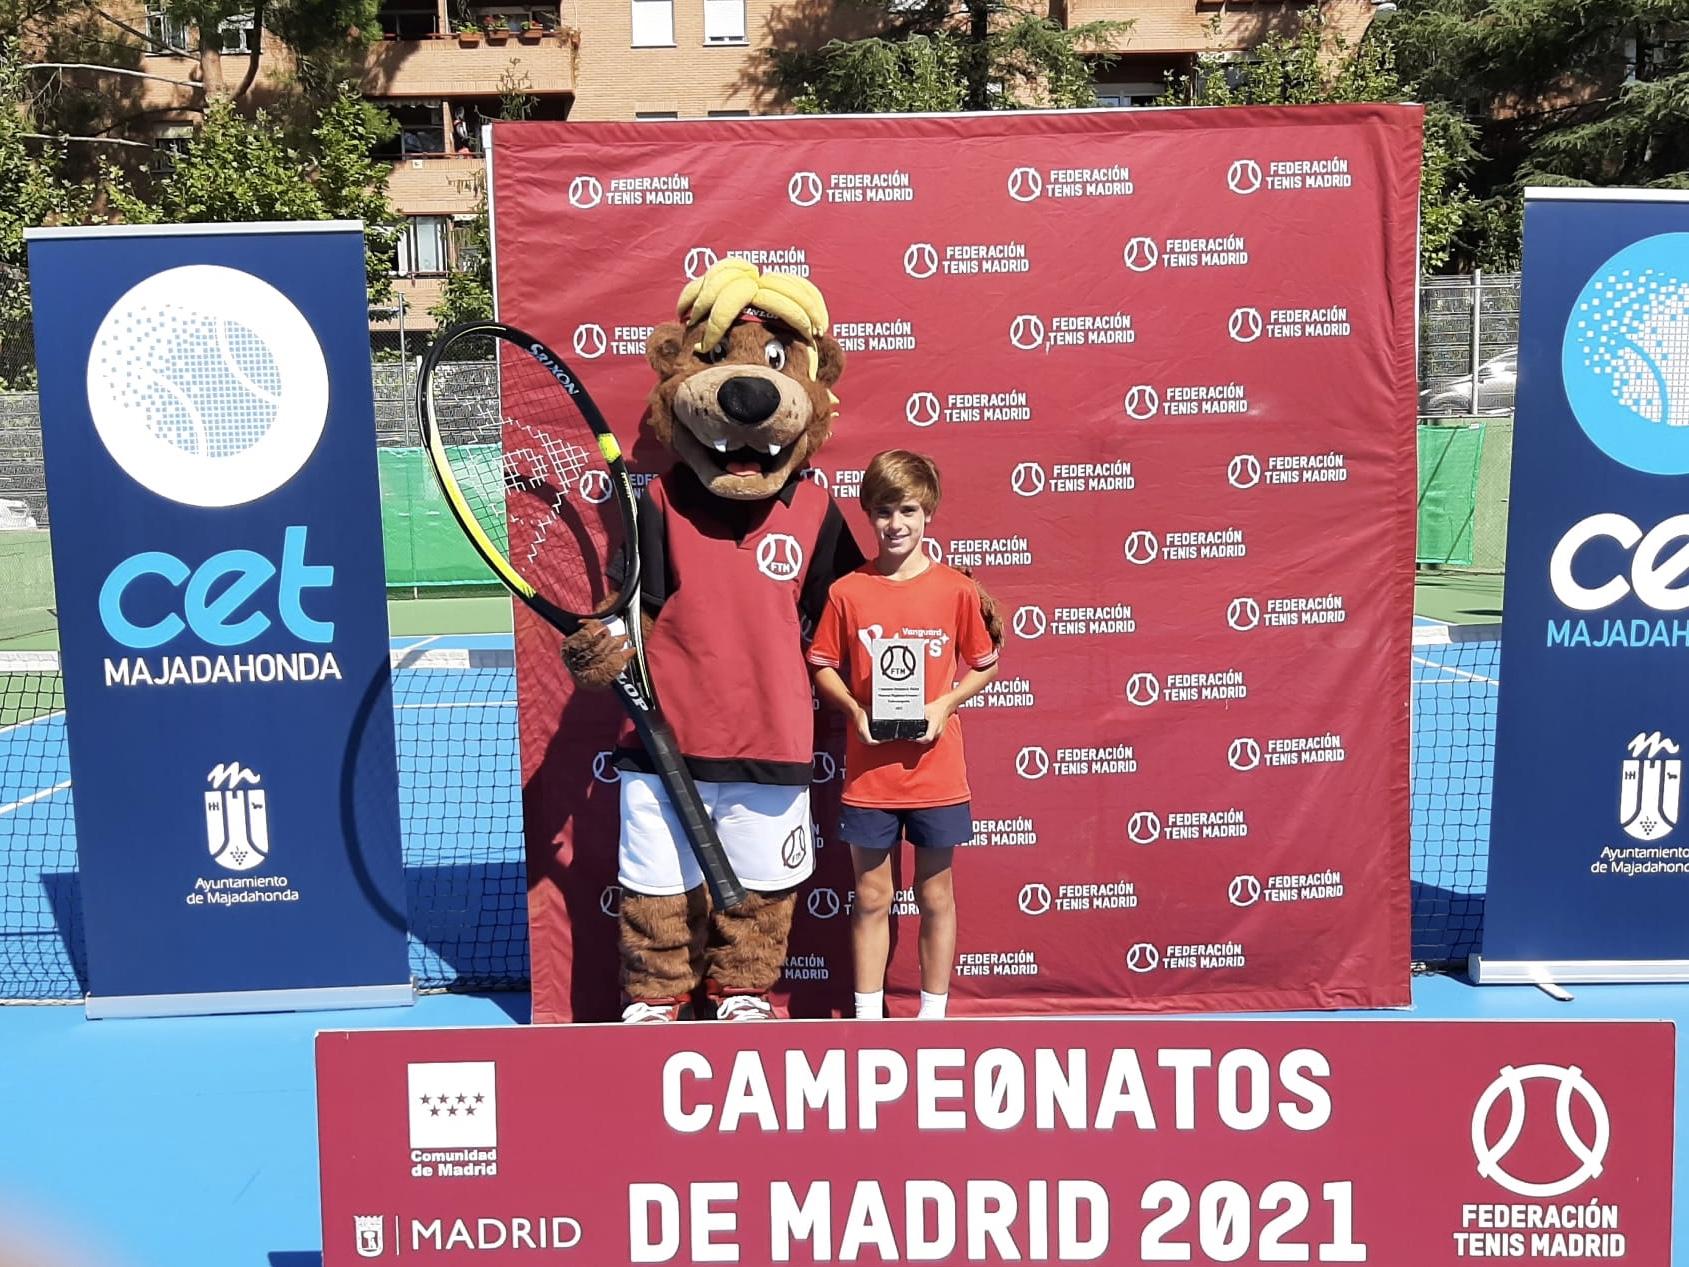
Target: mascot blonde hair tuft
x=735 y=286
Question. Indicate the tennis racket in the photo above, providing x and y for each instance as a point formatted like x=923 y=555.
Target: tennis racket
x=536 y=480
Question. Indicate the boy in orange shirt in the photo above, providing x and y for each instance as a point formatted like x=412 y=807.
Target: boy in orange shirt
x=903 y=788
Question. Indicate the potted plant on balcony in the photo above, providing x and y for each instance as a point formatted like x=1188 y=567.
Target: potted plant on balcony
x=530 y=32
x=498 y=30
x=468 y=34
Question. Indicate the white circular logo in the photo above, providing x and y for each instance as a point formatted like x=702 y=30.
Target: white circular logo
x=1244 y=471
x=1028 y=479
x=207 y=386
x=1243 y=176
x=585 y=192
x=1511 y=1082
x=595 y=486
x=804 y=189
x=1244 y=890
x=1142 y=402
x=1030 y=622
x=823 y=903
x=1142 y=547
x=822 y=768
x=1243 y=614
x=610 y=900
x=1025 y=184
x=1144 y=827
x=779 y=556
x=1143 y=957
x=1243 y=754
x=795 y=848
x=1245 y=325
x=1143 y=689
x=1034 y=899
x=935 y=552
x=1032 y=763
x=700 y=260
x=1141 y=254
x=590 y=342
x=815 y=475
x=920 y=260
x=604 y=768
x=921 y=409
x=1026 y=332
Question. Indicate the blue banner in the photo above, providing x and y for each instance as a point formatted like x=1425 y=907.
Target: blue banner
x=209 y=435
x=1589 y=859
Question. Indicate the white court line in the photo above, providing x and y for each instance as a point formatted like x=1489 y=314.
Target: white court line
x=412 y=646
x=1444 y=668
x=19 y=725
x=43 y=794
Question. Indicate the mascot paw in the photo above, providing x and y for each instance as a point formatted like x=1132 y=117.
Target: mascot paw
x=595 y=656
x=987 y=610
x=656 y=1011
x=744 y=1007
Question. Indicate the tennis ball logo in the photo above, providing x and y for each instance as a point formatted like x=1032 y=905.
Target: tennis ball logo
x=1243 y=176
x=1141 y=254
x=1143 y=957
x=804 y=189
x=1142 y=403
x=921 y=260
x=1244 y=890
x=921 y=409
x=1034 y=899
x=207 y=386
x=1144 y=827
x=1025 y=184
x=1624 y=360
x=1026 y=332
x=1244 y=325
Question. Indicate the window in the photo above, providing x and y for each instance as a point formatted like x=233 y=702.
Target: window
x=162 y=29
x=655 y=114
x=1137 y=94
x=422 y=246
x=730 y=114
x=236 y=34
x=167 y=147
x=724 y=21
x=653 y=23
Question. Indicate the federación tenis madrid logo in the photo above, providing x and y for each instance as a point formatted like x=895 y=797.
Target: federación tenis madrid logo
x=1586 y=1155
x=207 y=386
x=1625 y=357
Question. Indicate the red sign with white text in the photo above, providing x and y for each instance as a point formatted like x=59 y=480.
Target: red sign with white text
x=1164 y=359
x=1046 y=1141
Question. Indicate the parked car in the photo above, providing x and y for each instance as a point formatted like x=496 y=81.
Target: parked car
x=1497 y=379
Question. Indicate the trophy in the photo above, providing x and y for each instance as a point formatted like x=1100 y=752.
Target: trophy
x=897 y=708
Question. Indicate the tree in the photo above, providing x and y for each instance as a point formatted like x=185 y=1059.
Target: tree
x=940 y=55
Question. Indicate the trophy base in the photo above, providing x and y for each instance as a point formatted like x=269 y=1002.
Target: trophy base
x=905 y=728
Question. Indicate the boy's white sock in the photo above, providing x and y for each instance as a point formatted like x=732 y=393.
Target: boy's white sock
x=870 y=1007
x=932 y=1005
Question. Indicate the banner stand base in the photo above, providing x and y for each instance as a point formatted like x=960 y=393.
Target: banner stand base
x=118 y=1006
x=1551 y=973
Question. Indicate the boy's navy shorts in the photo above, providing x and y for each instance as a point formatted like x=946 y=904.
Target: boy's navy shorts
x=935 y=827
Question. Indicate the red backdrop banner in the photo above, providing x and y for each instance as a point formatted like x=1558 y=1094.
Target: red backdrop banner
x=1045 y=1141
x=1165 y=360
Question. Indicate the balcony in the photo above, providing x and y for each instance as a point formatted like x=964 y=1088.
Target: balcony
x=442 y=66
x=436 y=184
x=1187 y=26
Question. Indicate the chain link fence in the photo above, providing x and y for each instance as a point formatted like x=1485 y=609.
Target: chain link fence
x=1468 y=344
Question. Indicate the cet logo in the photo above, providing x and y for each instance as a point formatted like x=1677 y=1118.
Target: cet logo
x=1142 y=547
x=779 y=556
x=453 y=1104
x=1245 y=325
x=595 y=486
x=1243 y=176
x=700 y=260
x=1026 y=332
x=1511 y=1082
x=1141 y=254
x=1244 y=471
x=921 y=409
x=1030 y=623
x=237 y=821
x=804 y=189
x=823 y=903
x=898 y=663
x=1144 y=827
x=934 y=551
x=1650 y=788
x=1032 y=763
x=1028 y=479
x=585 y=192
x=1143 y=957
x=1142 y=689
x=920 y=260
x=1243 y=614
x=1625 y=356
x=207 y=386
x=822 y=768
x=610 y=900
x=795 y=848
x=370 y=1232
x=590 y=341
x=1025 y=184
x=604 y=769
x=1244 y=754
x=1244 y=890
x=1034 y=899
x=1142 y=403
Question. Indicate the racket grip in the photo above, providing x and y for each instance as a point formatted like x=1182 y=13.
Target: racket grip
x=660 y=746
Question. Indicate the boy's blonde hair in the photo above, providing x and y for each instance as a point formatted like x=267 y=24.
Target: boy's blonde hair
x=898 y=475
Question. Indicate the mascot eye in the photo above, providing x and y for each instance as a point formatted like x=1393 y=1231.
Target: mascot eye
x=776 y=354
x=717 y=353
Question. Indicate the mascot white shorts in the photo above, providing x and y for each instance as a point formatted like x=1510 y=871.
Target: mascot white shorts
x=766 y=831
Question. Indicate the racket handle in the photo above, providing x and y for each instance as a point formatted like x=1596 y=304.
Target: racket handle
x=665 y=756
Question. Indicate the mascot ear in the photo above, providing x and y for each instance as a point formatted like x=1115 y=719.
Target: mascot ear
x=666 y=348
x=832 y=360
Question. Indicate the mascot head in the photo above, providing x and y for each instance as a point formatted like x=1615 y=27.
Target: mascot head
x=743 y=379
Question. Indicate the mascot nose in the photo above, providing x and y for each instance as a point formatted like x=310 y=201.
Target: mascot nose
x=748 y=399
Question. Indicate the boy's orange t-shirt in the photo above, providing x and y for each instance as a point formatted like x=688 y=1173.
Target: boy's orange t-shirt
x=940 y=605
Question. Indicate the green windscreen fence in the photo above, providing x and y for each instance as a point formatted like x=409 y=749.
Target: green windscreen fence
x=425 y=547
x=1449 y=460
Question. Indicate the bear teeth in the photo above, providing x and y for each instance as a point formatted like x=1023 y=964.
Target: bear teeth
x=773 y=450
x=720 y=444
